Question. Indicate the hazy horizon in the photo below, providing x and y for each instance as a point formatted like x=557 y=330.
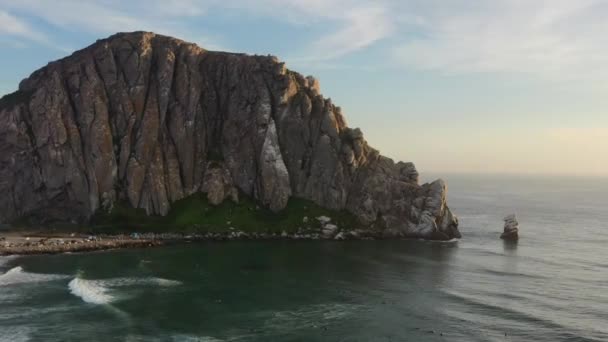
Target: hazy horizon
x=505 y=86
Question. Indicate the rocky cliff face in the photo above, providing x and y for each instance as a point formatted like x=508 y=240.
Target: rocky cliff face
x=150 y=119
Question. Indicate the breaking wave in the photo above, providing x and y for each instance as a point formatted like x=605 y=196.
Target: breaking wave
x=17 y=275
x=99 y=291
x=91 y=291
x=6 y=259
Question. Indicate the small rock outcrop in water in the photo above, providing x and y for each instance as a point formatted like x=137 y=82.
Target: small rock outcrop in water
x=511 y=231
x=148 y=120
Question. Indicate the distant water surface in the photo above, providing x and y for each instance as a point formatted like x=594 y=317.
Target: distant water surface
x=551 y=286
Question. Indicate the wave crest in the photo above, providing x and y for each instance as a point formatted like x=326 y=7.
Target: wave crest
x=6 y=259
x=91 y=291
x=98 y=291
x=17 y=275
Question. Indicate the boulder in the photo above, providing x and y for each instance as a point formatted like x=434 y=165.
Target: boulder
x=218 y=185
x=324 y=220
x=511 y=228
x=329 y=230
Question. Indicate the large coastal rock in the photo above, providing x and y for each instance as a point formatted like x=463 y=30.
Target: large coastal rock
x=149 y=119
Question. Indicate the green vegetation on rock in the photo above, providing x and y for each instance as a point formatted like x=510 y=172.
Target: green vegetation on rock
x=195 y=214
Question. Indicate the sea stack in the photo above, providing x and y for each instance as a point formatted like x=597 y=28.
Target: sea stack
x=511 y=231
x=146 y=120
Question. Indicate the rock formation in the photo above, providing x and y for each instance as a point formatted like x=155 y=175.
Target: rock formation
x=511 y=230
x=149 y=120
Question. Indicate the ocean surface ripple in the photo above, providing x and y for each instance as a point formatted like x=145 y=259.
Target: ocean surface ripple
x=550 y=286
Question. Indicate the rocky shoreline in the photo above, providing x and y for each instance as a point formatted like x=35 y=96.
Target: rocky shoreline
x=57 y=245
x=38 y=244
x=21 y=243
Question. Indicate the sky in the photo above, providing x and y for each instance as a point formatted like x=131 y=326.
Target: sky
x=482 y=86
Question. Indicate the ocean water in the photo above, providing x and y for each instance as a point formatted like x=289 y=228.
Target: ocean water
x=550 y=286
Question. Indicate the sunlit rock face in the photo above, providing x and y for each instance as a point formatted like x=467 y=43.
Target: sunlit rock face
x=149 y=120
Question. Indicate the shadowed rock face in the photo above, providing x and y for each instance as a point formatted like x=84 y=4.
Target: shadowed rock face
x=151 y=119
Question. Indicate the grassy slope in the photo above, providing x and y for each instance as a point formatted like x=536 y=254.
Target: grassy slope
x=196 y=214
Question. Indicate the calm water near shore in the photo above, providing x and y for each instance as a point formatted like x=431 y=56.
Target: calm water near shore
x=551 y=286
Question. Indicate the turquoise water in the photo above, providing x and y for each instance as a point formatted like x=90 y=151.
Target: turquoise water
x=551 y=286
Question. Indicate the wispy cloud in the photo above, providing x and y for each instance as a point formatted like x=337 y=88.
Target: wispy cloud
x=352 y=25
x=110 y=16
x=359 y=24
x=361 y=27
x=562 y=39
x=556 y=38
x=13 y=26
x=90 y=16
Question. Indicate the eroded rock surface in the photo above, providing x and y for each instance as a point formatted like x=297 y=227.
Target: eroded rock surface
x=150 y=119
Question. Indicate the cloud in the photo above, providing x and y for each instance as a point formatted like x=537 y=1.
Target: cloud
x=362 y=27
x=557 y=38
x=176 y=8
x=13 y=26
x=110 y=16
x=354 y=24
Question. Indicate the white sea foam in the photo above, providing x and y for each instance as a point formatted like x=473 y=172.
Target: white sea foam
x=17 y=275
x=15 y=334
x=6 y=259
x=149 y=281
x=91 y=291
x=98 y=291
x=165 y=282
x=310 y=315
x=454 y=240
